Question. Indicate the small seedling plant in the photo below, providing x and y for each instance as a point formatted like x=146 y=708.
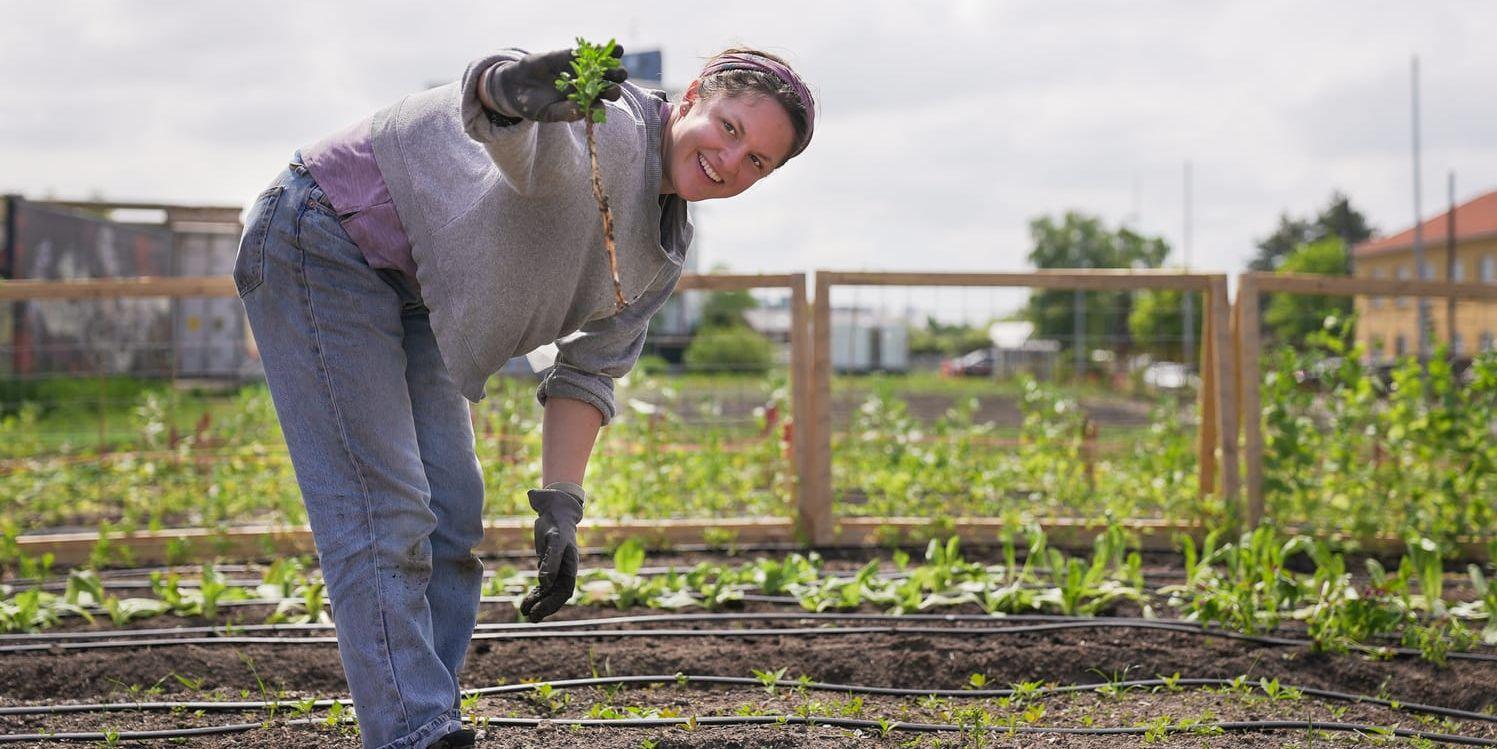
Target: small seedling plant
x=584 y=86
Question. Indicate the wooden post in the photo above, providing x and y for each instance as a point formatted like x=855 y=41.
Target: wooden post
x=1225 y=367
x=802 y=429
x=1089 y=451
x=817 y=520
x=1252 y=406
x=1206 y=436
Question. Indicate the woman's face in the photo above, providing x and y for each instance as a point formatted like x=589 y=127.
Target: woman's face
x=717 y=148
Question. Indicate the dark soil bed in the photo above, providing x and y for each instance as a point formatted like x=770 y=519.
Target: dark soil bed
x=928 y=661
x=294 y=671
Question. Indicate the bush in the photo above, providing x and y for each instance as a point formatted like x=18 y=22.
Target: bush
x=652 y=364
x=733 y=350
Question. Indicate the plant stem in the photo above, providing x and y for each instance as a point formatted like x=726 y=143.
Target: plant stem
x=598 y=195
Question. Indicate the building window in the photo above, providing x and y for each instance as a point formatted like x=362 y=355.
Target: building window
x=1486 y=340
x=1488 y=268
x=1376 y=302
x=1426 y=271
x=1457 y=346
x=1402 y=274
x=1400 y=346
x=1458 y=271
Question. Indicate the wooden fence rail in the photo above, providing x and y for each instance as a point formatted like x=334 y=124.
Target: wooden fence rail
x=1246 y=329
x=1217 y=446
x=1230 y=402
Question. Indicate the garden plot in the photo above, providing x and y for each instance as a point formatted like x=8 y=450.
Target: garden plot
x=797 y=650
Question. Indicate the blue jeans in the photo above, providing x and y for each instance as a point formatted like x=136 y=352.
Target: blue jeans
x=382 y=445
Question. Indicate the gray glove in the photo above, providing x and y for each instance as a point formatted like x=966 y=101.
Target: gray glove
x=558 y=509
x=526 y=88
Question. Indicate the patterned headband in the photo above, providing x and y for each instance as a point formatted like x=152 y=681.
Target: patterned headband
x=742 y=61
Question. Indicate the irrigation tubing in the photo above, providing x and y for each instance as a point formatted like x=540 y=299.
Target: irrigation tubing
x=173 y=733
x=704 y=680
x=578 y=631
x=796 y=720
x=627 y=619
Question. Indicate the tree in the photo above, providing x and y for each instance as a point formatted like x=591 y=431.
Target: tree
x=1338 y=219
x=1082 y=241
x=725 y=309
x=1157 y=322
x=1292 y=317
x=947 y=339
x=729 y=350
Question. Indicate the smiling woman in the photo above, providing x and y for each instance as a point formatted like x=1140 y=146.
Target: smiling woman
x=743 y=117
x=394 y=266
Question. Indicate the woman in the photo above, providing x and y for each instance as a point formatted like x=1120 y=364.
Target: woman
x=395 y=265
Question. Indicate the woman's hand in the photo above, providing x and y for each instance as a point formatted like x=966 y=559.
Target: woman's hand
x=526 y=88
x=558 y=509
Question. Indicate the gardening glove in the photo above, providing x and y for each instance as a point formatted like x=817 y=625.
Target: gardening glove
x=526 y=88
x=558 y=508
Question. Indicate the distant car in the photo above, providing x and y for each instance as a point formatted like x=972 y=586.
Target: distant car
x=978 y=363
x=1168 y=376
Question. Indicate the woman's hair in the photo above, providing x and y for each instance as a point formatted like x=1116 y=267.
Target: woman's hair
x=761 y=83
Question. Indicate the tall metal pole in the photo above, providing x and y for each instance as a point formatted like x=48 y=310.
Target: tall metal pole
x=1189 y=311
x=1078 y=322
x=1419 y=267
x=1450 y=331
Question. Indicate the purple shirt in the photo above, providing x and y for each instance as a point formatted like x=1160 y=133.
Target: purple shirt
x=343 y=165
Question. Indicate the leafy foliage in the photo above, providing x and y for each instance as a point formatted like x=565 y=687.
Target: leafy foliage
x=1338 y=220
x=729 y=350
x=585 y=83
x=1352 y=453
x=1296 y=318
x=1081 y=241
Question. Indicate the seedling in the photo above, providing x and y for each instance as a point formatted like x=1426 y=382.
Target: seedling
x=769 y=678
x=584 y=86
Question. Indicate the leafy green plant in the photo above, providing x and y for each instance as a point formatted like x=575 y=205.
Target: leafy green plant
x=768 y=679
x=584 y=86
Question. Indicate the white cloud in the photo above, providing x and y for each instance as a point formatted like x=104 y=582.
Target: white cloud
x=946 y=126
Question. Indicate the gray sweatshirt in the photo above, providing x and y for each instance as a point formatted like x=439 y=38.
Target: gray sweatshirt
x=508 y=241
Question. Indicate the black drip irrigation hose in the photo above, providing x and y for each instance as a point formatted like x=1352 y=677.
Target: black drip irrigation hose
x=796 y=720
x=709 y=680
x=578 y=631
x=172 y=733
x=596 y=621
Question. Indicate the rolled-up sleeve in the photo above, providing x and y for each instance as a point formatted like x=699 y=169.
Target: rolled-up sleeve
x=603 y=350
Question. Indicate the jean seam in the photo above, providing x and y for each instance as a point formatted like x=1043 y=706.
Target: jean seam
x=425 y=730
x=358 y=469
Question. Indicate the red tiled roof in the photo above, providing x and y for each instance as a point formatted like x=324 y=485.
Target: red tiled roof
x=1474 y=218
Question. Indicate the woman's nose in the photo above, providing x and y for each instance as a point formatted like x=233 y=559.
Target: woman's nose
x=734 y=162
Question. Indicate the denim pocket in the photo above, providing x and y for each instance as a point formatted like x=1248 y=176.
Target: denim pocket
x=318 y=200
x=249 y=265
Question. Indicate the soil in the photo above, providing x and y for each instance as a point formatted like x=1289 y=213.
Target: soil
x=942 y=660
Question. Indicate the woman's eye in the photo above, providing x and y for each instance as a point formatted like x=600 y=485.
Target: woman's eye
x=728 y=126
x=757 y=163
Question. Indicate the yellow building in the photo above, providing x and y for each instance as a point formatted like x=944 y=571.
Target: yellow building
x=1389 y=326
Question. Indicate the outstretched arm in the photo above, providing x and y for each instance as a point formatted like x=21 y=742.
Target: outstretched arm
x=568 y=432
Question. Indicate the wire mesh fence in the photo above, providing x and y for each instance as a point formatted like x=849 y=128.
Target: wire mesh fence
x=1366 y=428
x=110 y=435
x=1021 y=397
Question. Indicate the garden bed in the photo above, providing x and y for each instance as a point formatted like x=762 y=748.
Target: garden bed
x=957 y=669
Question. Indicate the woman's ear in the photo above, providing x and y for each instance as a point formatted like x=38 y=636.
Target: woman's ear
x=690 y=96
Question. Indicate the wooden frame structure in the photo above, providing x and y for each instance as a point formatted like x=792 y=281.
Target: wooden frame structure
x=1230 y=399
x=1246 y=330
x=1218 y=432
x=72 y=548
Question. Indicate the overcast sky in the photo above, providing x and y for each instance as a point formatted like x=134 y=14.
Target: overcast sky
x=945 y=126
